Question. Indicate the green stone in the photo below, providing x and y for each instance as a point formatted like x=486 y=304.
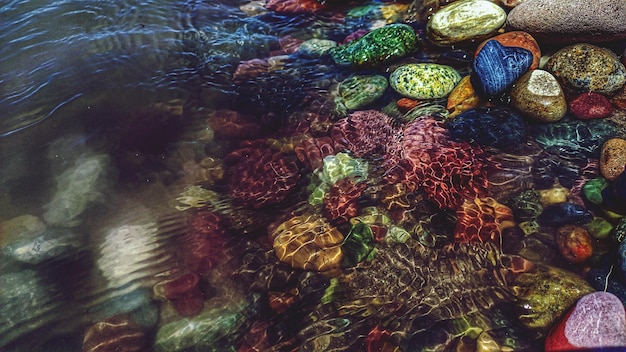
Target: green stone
x=592 y=190
x=424 y=81
x=546 y=294
x=359 y=91
x=315 y=48
x=465 y=21
x=599 y=228
x=377 y=47
x=619 y=233
x=335 y=168
x=358 y=245
x=526 y=206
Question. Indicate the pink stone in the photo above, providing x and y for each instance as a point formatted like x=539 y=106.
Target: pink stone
x=597 y=320
x=591 y=105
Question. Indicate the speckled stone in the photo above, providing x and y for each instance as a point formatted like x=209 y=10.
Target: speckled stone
x=497 y=67
x=424 y=81
x=574 y=243
x=517 y=39
x=571 y=21
x=377 y=47
x=597 y=321
x=586 y=67
x=590 y=105
x=359 y=91
x=314 y=48
x=613 y=158
x=465 y=21
x=539 y=96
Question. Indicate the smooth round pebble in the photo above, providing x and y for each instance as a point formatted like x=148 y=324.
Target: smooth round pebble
x=554 y=195
x=539 y=96
x=613 y=158
x=517 y=39
x=592 y=189
x=586 y=67
x=574 y=243
x=571 y=21
x=314 y=48
x=465 y=21
x=359 y=91
x=590 y=105
x=598 y=320
x=424 y=81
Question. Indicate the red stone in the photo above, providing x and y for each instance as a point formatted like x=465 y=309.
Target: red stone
x=598 y=320
x=204 y=242
x=591 y=105
x=406 y=104
x=574 y=243
x=379 y=340
x=340 y=202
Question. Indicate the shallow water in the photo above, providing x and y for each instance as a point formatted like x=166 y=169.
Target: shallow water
x=107 y=159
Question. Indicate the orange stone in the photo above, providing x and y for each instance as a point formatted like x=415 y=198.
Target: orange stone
x=517 y=39
x=574 y=243
x=406 y=104
x=462 y=98
x=613 y=158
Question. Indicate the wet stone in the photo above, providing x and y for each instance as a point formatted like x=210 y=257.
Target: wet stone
x=592 y=190
x=554 y=195
x=517 y=39
x=464 y=21
x=574 y=243
x=571 y=21
x=590 y=105
x=498 y=127
x=598 y=320
x=424 y=81
x=462 y=98
x=359 y=91
x=315 y=48
x=380 y=46
x=497 y=67
x=117 y=333
x=586 y=67
x=599 y=228
x=561 y=214
x=613 y=158
x=539 y=96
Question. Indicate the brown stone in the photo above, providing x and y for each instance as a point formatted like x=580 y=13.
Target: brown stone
x=539 y=96
x=613 y=158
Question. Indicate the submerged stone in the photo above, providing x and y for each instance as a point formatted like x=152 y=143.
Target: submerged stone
x=497 y=67
x=314 y=48
x=424 y=81
x=498 y=127
x=462 y=98
x=539 y=96
x=592 y=190
x=574 y=243
x=359 y=91
x=377 y=47
x=561 y=214
x=518 y=39
x=613 y=158
x=590 y=105
x=465 y=21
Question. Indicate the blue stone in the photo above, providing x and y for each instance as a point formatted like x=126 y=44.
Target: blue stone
x=498 y=127
x=497 y=67
x=561 y=214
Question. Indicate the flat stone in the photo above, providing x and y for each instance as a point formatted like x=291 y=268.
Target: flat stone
x=424 y=81
x=613 y=158
x=598 y=320
x=585 y=67
x=571 y=21
x=465 y=21
x=539 y=96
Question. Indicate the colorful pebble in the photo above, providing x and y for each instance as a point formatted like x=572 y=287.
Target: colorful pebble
x=424 y=81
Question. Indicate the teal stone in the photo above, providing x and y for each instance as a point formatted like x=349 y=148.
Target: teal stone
x=424 y=81
x=377 y=47
x=358 y=245
x=599 y=228
x=215 y=329
x=315 y=48
x=465 y=21
x=359 y=91
x=592 y=190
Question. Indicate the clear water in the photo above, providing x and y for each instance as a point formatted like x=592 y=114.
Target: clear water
x=103 y=120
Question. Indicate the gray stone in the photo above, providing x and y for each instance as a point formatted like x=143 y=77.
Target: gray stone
x=570 y=21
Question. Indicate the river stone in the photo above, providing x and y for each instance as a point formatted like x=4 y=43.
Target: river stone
x=561 y=214
x=359 y=91
x=613 y=158
x=465 y=21
x=598 y=320
x=590 y=105
x=592 y=190
x=571 y=21
x=315 y=48
x=517 y=39
x=424 y=81
x=539 y=96
x=376 y=47
x=586 y=67
x=497 y=67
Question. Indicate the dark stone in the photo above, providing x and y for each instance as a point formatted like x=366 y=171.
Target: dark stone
x=497 y=67
x=561 y=214
x=498 y=127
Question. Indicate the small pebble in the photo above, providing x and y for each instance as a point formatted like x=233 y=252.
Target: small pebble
x=613 y=158
x=424 y=81
x=586 y=67
x=598 y=320
x=574 y=243
x=465 y=21
x=539 y=96
x=590 y=105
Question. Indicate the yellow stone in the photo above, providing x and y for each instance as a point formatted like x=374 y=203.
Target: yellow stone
x=554 y=195
x=462 y=98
